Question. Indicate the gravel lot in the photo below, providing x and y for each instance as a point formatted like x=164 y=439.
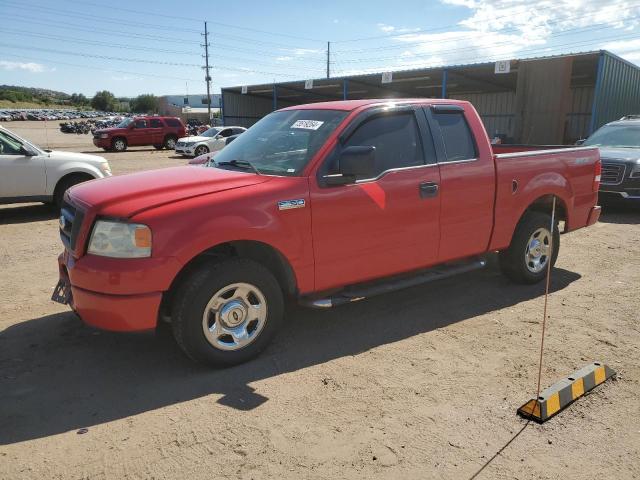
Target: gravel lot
x=422 y=383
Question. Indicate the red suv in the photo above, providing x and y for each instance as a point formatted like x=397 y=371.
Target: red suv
x=161 y=132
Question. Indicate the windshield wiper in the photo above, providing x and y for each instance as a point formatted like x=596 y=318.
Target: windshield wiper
x=239 y=164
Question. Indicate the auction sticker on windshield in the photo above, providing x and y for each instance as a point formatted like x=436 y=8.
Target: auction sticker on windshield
x=307 y=124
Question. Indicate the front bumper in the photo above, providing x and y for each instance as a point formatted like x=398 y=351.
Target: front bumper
x=186 y=149
x=102 y=142
x=121 y=300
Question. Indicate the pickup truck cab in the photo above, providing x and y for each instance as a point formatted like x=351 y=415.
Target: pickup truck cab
x=325 y=203
x=30 y=174
x=161 y=132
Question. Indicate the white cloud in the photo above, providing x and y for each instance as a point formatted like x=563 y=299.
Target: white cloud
x=26 y=66
x=300 y=52
x=504 y=29
x=284 y=59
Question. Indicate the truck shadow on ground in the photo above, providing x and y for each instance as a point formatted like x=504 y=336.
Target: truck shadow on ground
x=57 y=375
x=621 y=215
x=27 y=213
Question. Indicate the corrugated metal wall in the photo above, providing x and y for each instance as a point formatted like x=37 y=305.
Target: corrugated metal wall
x=496 y=109
x=618 y=92
x=245 y=110
x=579 y=116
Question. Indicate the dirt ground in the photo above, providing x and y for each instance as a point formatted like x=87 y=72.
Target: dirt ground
x=422 y=383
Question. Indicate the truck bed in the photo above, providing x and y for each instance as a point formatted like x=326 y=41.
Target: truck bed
x=521 y=169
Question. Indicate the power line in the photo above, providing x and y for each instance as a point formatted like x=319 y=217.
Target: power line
x=35 y=59
x=462 y=49
x=508 y=16
x=193 y=19
x=463 y=34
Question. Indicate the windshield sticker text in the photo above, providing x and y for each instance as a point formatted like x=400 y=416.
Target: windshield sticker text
x=307 y=124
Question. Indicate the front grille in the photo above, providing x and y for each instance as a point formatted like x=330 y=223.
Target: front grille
x=612 y=173
x=180 y=144
x=70 y=223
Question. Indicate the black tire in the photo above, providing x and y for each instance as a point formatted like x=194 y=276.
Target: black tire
x=200 y=150
x=193 y=295
x=158 y=147
x=118 y=144
x=170 y=142
x=513 y=262
x=65 y=184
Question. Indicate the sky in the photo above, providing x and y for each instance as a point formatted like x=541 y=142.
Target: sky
x=130 y=48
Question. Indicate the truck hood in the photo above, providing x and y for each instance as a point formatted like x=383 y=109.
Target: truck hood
x=128 y=195
x=95 y=160
x=631 y=155
x=110 y=130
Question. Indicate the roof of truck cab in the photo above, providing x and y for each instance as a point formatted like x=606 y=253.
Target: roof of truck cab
x=350 y=105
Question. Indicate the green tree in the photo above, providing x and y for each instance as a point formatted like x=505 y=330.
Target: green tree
x=104 y=101
x=146 y=103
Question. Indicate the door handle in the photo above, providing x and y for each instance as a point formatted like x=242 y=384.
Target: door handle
x=428 y=189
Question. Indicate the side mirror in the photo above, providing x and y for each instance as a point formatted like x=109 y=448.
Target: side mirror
x=581 y=141
x=27 y=152
x=353 y=163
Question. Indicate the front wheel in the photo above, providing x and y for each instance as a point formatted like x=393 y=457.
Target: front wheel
x=200 y=150
x=119 y=144
x=532 y=248
x=226 y=313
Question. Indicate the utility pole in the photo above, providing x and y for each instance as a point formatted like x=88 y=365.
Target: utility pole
x=328 y=58
x=207 y=76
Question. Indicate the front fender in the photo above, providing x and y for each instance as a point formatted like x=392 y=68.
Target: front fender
x=60 y=170
x=185 y=229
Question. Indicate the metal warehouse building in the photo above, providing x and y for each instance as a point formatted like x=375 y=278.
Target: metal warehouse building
x=549 y=100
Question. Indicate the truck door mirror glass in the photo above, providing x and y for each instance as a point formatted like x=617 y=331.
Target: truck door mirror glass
x=354 y=163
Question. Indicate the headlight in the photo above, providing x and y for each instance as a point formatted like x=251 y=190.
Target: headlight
x=104 y=135
x=105 y=168
x=120 y=240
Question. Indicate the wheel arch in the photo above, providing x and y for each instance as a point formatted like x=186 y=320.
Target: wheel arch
x=87 y=175
x=260 y=252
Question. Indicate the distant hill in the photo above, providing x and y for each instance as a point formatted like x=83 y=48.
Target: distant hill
x=13 y=94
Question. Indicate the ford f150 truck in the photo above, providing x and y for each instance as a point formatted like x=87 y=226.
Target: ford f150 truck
x=325 y=203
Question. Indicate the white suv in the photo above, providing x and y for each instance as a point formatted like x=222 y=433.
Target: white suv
x=31 y=174
x=211 y=140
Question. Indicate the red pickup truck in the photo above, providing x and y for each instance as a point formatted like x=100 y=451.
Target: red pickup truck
x=161 y=132
x=325 y=203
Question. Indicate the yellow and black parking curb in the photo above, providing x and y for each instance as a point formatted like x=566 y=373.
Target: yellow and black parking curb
x=565 y=392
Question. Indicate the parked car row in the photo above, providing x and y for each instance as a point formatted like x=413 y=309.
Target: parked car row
x=9 y=115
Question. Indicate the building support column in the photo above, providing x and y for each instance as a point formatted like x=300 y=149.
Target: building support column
x=445 y=74
x=275 y=98
x=345 y=89
x=596 y=93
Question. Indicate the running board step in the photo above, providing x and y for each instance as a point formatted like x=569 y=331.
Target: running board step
x=360 y=292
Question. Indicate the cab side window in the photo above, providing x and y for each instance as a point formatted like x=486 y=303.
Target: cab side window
x=227 y=132
x=396 y=139
x=141 y=124
x=9 y=146
x=457 y=137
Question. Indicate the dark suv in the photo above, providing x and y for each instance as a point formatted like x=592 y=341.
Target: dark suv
x=161 y=132
x=619 y=144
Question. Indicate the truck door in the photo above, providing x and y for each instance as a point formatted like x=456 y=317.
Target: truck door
x=22 y=175
x=467 y=182
x=385 y=224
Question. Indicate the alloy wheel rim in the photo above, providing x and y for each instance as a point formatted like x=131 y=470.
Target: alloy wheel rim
x=538 y=250
x=234 y=316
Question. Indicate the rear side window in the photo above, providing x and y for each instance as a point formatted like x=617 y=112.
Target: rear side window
x=172 y=122
x=396 y=139
x=458 y=140
x=156 y=123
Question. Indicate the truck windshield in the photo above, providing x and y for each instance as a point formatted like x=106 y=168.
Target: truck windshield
x=125 y=123
x=282 y=143
x=624 y=136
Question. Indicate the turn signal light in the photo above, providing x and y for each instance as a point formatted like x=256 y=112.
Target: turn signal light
x=596 y=176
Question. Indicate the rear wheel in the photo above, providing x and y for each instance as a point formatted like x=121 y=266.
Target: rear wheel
x=226 y=313
x=532 y=248
x=201 y=150
x=119 y=144
x=170 y=142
